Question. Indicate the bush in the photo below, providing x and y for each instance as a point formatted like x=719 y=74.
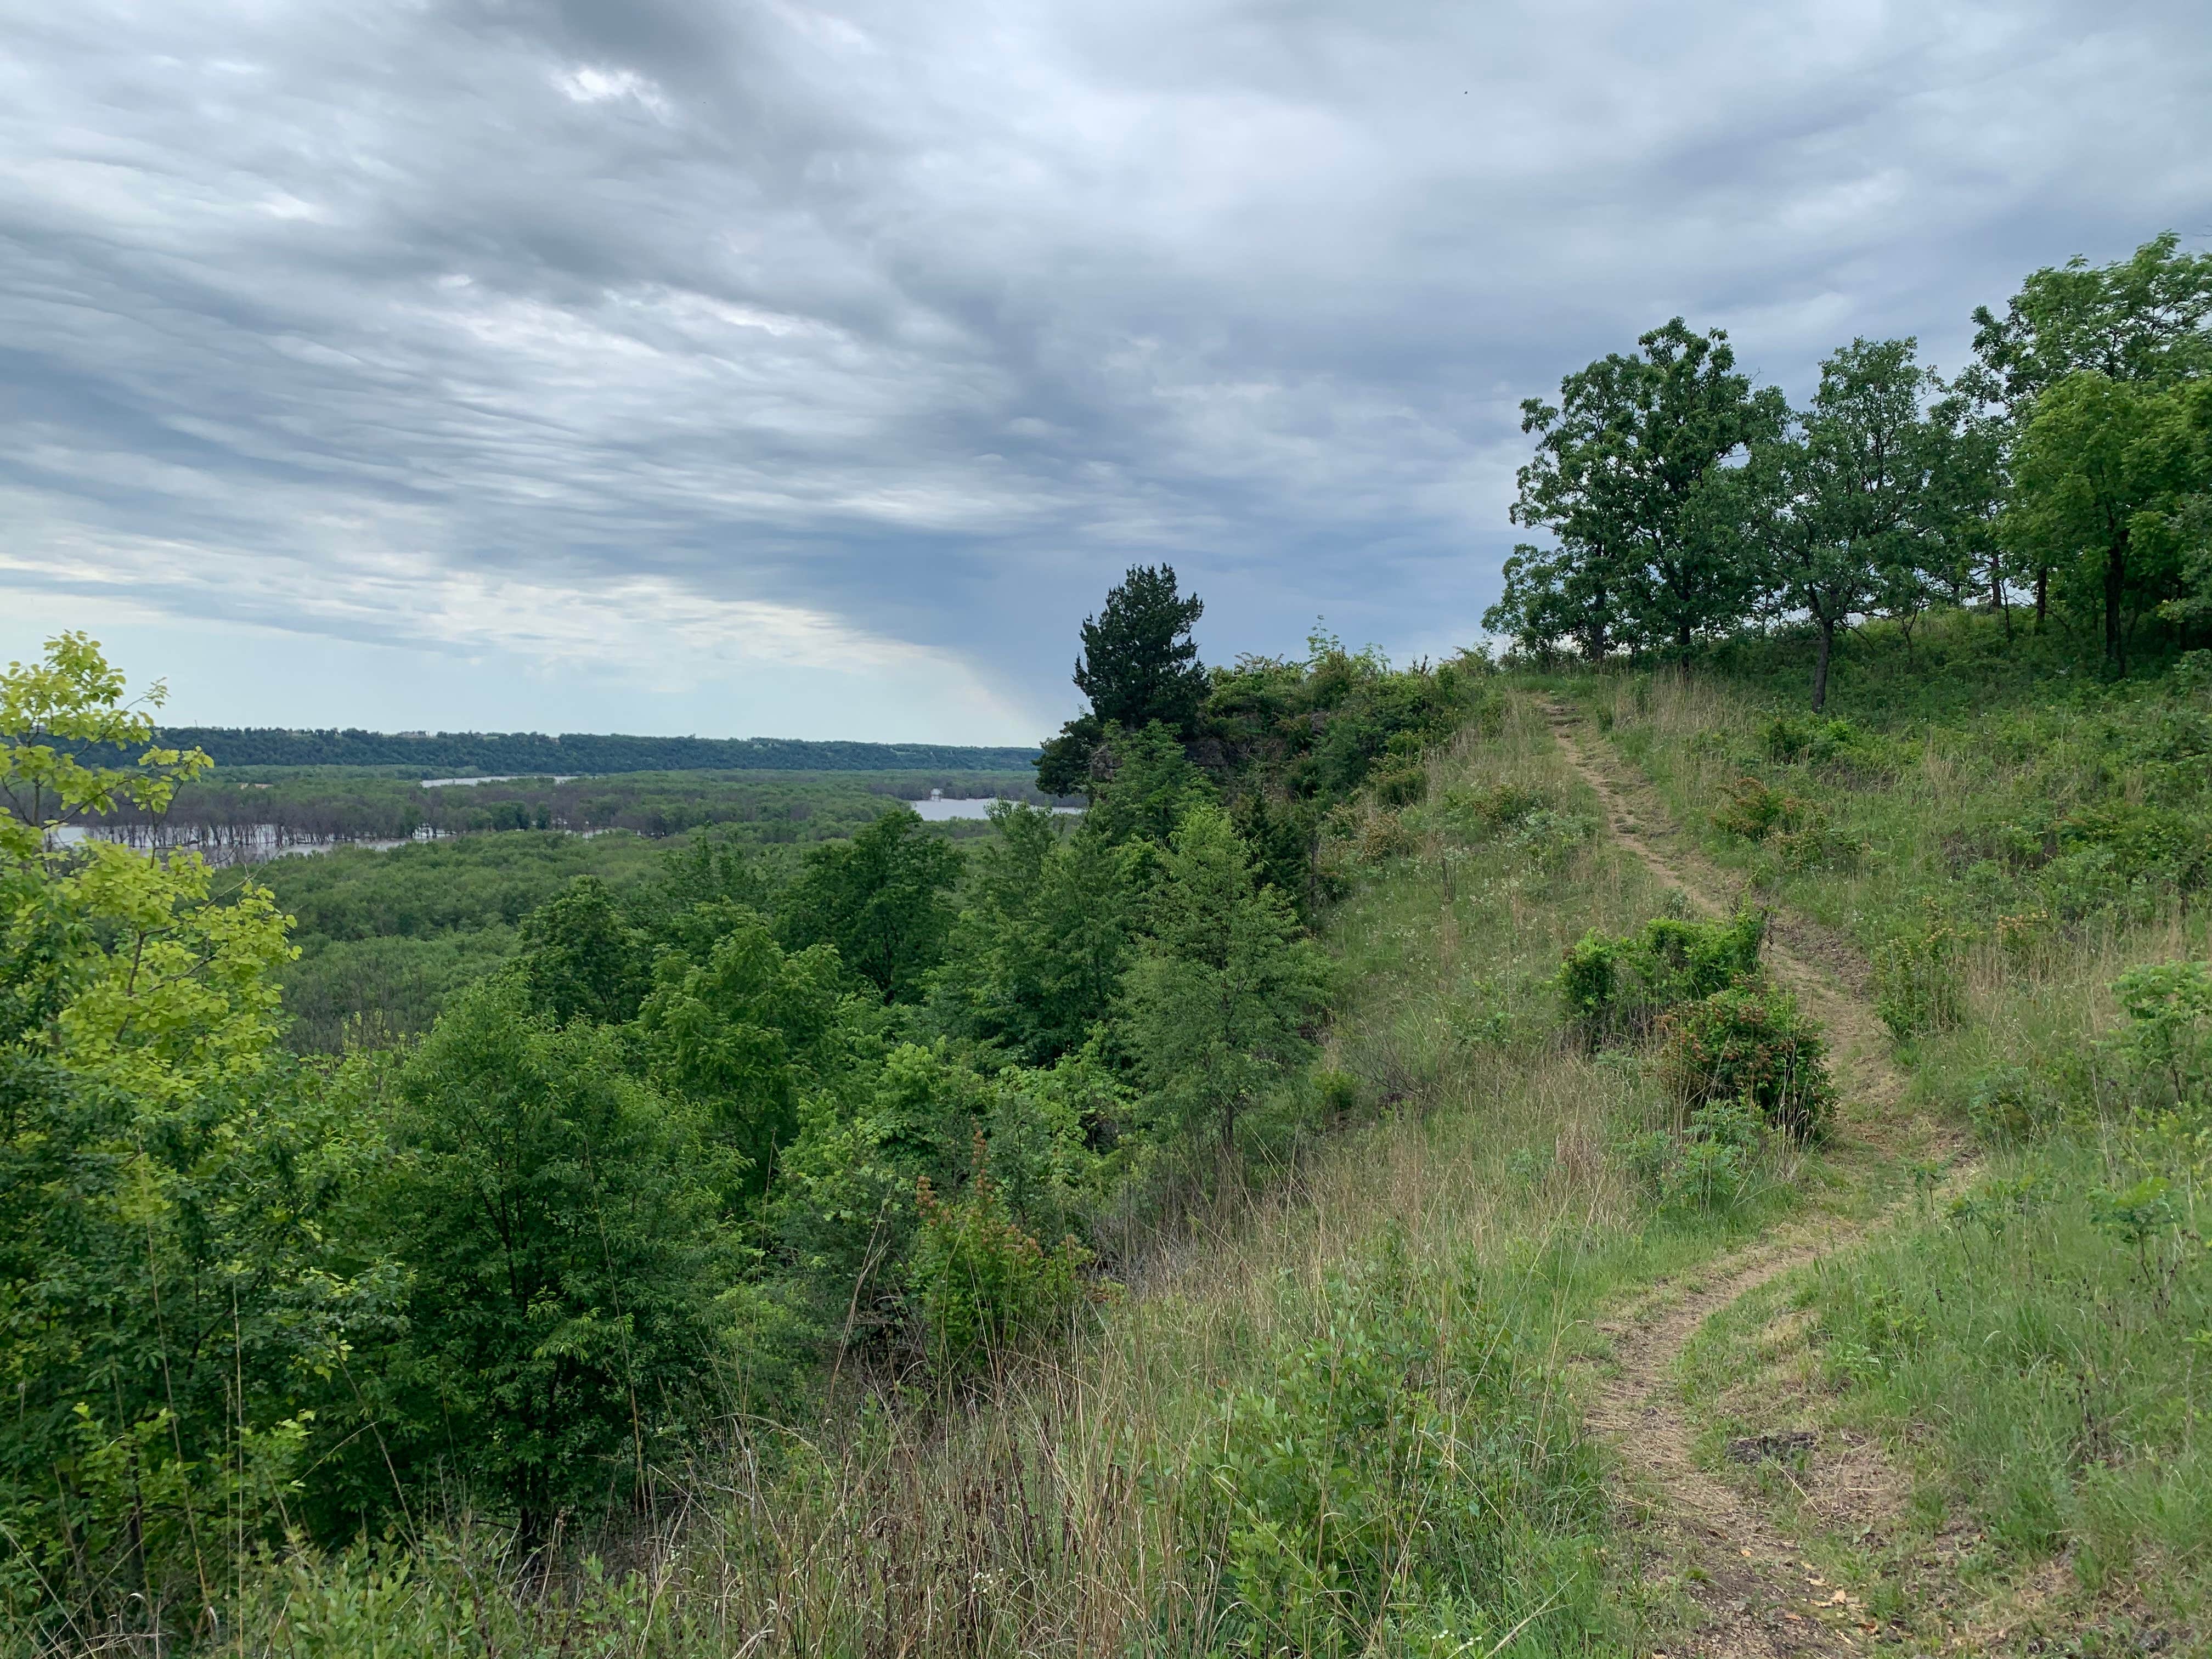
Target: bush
x=1383 y=837
x=1617 y=987
x=1818 y=847
x=1406 y=785
x=1916 y=983
x=1808 y=737
x=1549 y=837
x=1403 y=1469
x=2164 y=1043
x=1719 y=1159
x=1479 y=813
x=1757 y=810
x=1749 y=1042
x=2156 y=845
x=980 y=1281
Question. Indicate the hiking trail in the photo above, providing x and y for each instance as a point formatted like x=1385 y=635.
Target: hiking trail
x=1756 y=1594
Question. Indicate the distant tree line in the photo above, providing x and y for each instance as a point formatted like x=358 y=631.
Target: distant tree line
x=2066 y=473
x=242 y=820
x=534 y=753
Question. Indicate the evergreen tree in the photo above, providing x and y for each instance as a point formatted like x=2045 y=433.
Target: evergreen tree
x=1218 y=998
x=1147 y=785
x=1139 y=666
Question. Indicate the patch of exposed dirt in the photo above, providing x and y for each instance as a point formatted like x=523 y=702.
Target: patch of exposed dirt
x=1755 y=1595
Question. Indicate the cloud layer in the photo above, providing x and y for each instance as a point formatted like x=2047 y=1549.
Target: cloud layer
x=666 y=346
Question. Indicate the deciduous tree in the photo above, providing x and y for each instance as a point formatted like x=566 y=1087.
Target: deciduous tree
x=881 y=898
x=1622 y=476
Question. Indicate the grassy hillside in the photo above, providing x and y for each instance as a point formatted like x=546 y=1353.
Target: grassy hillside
x=2019 y=860
x=1334 y=1405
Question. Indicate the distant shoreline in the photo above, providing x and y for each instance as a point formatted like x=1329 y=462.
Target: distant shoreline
x=450 y=754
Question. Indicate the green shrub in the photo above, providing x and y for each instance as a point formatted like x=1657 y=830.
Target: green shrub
x=2165 y=1043
x=1756 y=810
x=2159 y=845
x=1616 y=988
x=980 y=1281
x=1551 y=838
x=1717 y=1161
x=1336 y=1094
x=1383 y=837
x=1405 y=785
x=1808 y=737
x=169 y=1317
x=1818 y=847
x=1478 y=814
x=1749 y=1042
x=1405 y=1469
x=1916 y=980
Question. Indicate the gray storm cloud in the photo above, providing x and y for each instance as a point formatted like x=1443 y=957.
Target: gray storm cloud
x=641 y=332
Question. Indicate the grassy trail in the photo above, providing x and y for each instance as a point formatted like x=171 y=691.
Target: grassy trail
x=1753 y=1590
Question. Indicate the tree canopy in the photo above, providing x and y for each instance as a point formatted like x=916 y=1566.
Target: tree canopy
x=1683 y=504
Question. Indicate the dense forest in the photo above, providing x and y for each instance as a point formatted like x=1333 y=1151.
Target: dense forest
x=1575 y=1154
x=443 y=754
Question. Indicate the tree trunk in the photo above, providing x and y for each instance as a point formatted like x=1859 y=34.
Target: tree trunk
x=1821 y=665
x=2042 y=594
x=1997 y=597
x=2116 y=583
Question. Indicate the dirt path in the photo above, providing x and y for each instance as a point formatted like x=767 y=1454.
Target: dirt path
x=1756 y=1594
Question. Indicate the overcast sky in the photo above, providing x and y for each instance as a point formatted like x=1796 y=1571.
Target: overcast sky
x=745 y=366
